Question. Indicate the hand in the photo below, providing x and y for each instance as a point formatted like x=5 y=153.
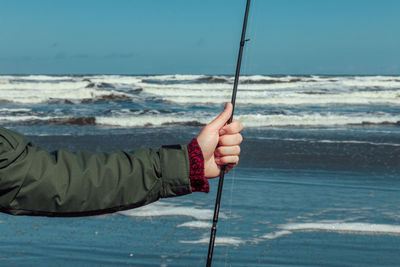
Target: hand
x=220 y=142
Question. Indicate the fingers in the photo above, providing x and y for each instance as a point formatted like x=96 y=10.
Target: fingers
x=233 y=128
x=231 y=160
x=220 y=121
x=230 y=140
x=227 y=151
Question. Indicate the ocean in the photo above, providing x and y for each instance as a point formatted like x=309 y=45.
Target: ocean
x=318 y=181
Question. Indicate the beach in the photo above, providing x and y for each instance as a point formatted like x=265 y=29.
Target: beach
x=317 y=183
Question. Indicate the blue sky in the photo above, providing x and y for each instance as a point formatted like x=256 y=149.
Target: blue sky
x=199 y=36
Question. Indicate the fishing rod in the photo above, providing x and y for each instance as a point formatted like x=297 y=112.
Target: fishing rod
x=243 y=40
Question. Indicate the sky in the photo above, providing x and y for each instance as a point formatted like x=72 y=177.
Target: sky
x=199 y=37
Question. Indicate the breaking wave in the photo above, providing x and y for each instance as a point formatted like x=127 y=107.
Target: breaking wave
x=148 y=118
x=255 y=89
x=118 y=101
x=316 y=119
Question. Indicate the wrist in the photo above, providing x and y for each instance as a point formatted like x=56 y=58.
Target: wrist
x=198 y=181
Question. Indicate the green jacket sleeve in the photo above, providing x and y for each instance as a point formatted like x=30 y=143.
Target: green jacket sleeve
x=61 y=183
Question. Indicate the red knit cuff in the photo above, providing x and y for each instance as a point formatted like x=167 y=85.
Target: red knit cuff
x=198 y=182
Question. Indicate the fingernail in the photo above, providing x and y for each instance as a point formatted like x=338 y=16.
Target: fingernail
x=222 y=132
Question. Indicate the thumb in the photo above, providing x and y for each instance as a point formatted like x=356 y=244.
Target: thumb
x=222 y=118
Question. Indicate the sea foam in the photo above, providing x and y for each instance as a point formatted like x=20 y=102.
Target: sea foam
x=219 y=241
x=164 y=209
x=196 y=224
x=344 y=227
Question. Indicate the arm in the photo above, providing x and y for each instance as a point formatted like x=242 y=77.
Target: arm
x=36 y=182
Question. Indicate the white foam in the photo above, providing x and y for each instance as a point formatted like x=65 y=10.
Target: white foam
x=219 y=241
x=187 y=92
x=44 y=77
x=370 y=81
x=145 y=120
x=344 y=227
x=163 y=209
x=316 y=119
x=256 y=120
x=140 y=80
x=174 y=77
x=115 y=79
x=277 y=234
x=357 y=142
x=35 y=77
x=26 y=96
x=322 y=91
x=278 y=98
x=196 y=224
x=344 y=90
x=39 y=92
x=27 y=118
x=328 y=141
x=273 y=82
x=46 y=86
x=14 y=110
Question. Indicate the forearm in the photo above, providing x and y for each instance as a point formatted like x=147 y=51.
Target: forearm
x=62 y=183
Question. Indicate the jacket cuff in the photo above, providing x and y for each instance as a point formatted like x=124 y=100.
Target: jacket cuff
x=198 y=182
x=175 y=171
